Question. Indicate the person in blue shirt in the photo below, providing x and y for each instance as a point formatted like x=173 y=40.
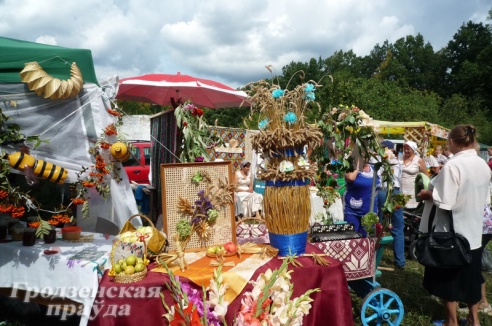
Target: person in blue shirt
x=358 y=196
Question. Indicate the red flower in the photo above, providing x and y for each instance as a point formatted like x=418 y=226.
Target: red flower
x=188 y=311
x=197 y=112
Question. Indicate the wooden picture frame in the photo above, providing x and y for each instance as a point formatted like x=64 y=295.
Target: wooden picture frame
x=176 y=181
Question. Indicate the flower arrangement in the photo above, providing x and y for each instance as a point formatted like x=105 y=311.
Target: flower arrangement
x=268 y=303
x=200 y=217
x=195 y=132
x=351 y=134
x=190 y=307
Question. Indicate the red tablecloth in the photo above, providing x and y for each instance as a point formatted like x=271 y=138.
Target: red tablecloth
x=135 y=305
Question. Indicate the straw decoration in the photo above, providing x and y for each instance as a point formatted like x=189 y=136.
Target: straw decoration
x=253 y=248
x=222 y=262
x=287 y=211
x=46 y=86
x=166 y=258
x=317 y=259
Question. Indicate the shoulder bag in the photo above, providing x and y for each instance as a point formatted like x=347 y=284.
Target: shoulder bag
x=442 y=249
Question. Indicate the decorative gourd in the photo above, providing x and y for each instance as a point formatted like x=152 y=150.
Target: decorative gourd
x=42 y=169
x=120 y=152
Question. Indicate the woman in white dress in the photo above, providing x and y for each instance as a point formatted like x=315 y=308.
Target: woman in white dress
x=252 y=202
x=412 y=164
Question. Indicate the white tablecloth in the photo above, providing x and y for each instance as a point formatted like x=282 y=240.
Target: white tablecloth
x=62 y=274
x=336 y=210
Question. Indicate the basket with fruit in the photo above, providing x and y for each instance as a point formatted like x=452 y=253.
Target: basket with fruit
x=132 y=238
x=130 y=268
x=228 y=249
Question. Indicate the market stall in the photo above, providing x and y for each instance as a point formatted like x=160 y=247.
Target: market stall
x=427 y=135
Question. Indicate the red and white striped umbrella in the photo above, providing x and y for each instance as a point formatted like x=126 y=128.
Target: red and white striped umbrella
x=170 y=90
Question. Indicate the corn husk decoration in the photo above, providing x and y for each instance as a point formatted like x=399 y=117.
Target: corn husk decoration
x=47 y=86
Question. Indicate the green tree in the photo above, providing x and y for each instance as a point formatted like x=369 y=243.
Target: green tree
x=469 y=63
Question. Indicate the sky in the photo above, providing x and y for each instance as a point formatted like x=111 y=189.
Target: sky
x=229 y=41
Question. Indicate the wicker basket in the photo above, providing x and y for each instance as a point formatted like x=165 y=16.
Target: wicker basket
x=157 y=242
x=125 y=278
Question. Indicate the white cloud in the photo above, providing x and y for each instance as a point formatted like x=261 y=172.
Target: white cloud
x=230 y=41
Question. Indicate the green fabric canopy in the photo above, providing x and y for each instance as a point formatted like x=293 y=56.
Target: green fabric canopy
x=55 y=60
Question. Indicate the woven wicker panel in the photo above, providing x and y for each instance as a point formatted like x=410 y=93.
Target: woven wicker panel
x=417 y=135
x=176 y=182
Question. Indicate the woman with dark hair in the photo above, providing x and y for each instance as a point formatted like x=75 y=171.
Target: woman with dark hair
x=251 y=201
x=462 y=187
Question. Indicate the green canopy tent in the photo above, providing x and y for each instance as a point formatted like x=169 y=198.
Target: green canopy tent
x=55 y=60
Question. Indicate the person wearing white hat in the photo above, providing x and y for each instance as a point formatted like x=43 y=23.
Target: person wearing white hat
x=412 y=164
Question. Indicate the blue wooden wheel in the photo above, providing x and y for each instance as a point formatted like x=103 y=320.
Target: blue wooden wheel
x=382 y=307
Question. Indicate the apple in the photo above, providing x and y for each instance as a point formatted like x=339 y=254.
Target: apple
x=139 y=267
x=131 y=260
x=211 y=250
x=117 y=268
x=230 y=247
x=129 y=270
x=220 y=250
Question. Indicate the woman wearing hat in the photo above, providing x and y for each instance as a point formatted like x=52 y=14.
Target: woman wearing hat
x=252 y=202
x=462 y=186
x=411 y=165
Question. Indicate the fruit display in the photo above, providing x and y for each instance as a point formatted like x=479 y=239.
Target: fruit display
x=142 y=234
x=227 y=249
x=129 y=266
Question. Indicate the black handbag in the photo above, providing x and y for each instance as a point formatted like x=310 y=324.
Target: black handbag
x=442 y=249
x=486 y=260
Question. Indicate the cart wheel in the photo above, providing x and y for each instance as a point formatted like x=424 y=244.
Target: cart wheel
x=382 y=307
x=411 y=250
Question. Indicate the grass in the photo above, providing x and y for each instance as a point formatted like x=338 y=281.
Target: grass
x=420 y=308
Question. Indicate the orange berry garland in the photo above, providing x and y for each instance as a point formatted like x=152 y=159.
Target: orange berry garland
x=105 y=145
x=59 y=218
x=3 y=194
x=111 y=130
x=114 y=112
x=6 y=208
x=78 y=201
x=18 y=211
x=34 y=225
